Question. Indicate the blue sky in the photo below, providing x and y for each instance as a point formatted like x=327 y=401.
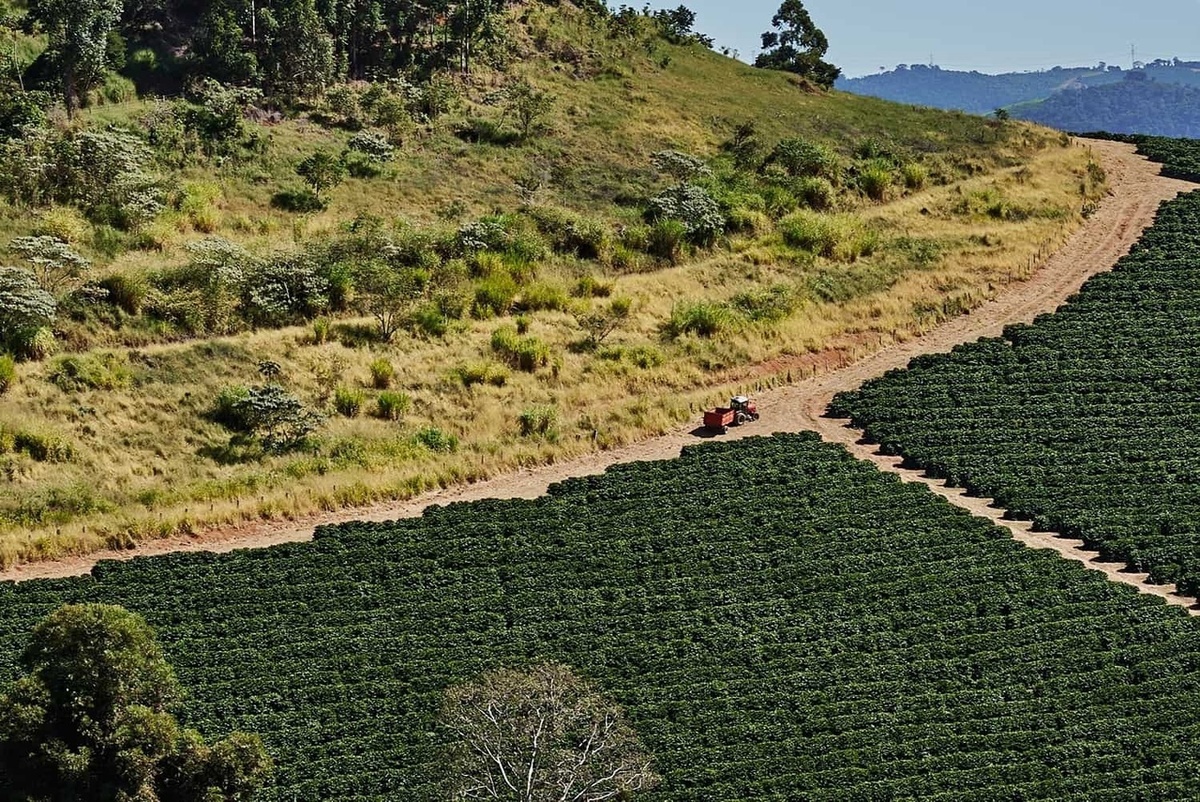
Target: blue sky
x=865 y=35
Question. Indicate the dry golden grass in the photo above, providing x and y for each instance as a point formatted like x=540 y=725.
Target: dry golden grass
x=148 y=463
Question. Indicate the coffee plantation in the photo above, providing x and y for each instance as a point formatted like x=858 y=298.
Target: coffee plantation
x=779 y=620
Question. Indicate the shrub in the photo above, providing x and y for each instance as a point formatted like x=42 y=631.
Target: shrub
x=870 y=148
x=798 y=157
x=430 y=320
x=591 y=287
x=525 y=353
x=348 y=401
x=494 y=296
x=779 y=201
x=198 y=204
x=44 y=446
x=63 y=223
x=36 y=345
x=915 y=176
x=360 y=166
x=8 y=373
x=642 y=356
x=875 y=179
x=322 y=328
x=436 y=440
x=300 y=201
x=816 y=193
x=373 y=146
x=839 y=237
x=767 y=305
x=226 y=409
x=392 y=405
x=692 y=205
x=666 y=240
x=383 y=372
x=572 y=234
x=543 y=295
x=540 y=421
x=126 y=291
x=700 y=318
x=90 y=372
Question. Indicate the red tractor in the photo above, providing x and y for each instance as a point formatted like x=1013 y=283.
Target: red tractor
x=740 y=410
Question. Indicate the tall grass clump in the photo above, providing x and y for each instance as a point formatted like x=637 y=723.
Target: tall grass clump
x=875 y=179
x=8 y=373
x=701 y=318
x=540 y=421
x=525 y=353
x=383 y=373
x=839 y=237
x=392 y=406
x=348 y=401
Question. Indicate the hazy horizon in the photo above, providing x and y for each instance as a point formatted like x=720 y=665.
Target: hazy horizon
x=1020 y=35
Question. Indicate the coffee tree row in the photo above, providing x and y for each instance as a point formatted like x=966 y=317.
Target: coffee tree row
x=1084 y=422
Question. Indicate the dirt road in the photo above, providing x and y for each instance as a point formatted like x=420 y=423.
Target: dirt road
x=1137 y=192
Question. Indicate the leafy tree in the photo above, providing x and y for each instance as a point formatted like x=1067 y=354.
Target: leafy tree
x=270 y=413
x=540 y=735
x=285 y=289
x=528 y=106
x=678 y=26
x=322 y=171
x=797 y=45
x=219 y=44
x=24 y=307
x=91 y=720
x=78 y=31
x=299 y=50
x=694 y=207
x=389 y=294
x=56 y=266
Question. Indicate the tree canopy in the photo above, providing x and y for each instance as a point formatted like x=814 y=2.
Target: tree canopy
x=541 y=735
x=79 y=35
x=91 y=720
x=795 y=44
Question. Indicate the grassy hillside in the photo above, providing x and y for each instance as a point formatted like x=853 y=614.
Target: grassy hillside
x=779 y=620
x=908 y=217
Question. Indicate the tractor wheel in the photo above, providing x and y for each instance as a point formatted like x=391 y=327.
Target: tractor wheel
x=741 y=418
x=756 y=416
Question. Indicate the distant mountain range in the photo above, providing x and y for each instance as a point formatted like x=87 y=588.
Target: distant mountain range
x=1161 y=98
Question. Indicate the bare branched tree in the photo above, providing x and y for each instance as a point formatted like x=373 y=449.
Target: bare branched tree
x=541 y=735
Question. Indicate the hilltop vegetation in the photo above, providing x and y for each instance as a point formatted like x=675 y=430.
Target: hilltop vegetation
x=263 y=298
x=1158 y=98
x=842 y=636
x=1125 y=107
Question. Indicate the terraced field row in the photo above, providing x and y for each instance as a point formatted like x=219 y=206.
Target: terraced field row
x=780 y=620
